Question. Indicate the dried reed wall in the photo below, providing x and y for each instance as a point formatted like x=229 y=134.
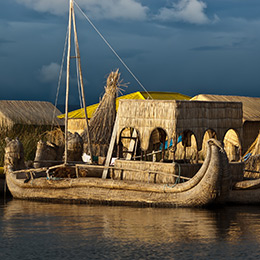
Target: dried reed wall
x=77 y=125
x=174 y=117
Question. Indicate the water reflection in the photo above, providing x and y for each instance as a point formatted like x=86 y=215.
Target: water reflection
x=102 y=229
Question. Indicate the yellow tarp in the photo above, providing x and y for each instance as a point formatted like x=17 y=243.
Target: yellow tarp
x=79 y=113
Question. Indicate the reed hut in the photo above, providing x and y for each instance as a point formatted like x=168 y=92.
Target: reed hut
x=27 y=120
x=251 y=117
x=77 y=122
x=171 y=119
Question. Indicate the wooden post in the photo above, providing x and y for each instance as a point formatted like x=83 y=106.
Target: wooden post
x=145 y=155
x=163 y=149
x=110 y=149
x=118 y=153
x=132 y=145
x=174 y=147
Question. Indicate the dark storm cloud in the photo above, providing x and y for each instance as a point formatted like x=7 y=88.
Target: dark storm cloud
x=4 y=41
x=217 y=51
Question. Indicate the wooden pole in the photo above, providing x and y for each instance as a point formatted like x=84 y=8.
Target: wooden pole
x=110 y=149
x=67 y=86
x=81 y=83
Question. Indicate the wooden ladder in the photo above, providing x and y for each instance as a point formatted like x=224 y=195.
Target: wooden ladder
x=132 y=146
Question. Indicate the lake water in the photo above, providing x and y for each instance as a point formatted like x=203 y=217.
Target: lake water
x=35 y=230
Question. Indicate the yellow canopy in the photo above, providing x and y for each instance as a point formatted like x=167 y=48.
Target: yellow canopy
x=79 y=113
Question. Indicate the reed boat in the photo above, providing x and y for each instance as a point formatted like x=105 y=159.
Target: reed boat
x=205 y=188
x=247 y=189
x=245 y=192
x=132 y=181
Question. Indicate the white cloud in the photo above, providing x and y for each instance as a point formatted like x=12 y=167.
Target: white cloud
x=56 y=7
x=190 y=11
x=49 y=73
x=108 y=9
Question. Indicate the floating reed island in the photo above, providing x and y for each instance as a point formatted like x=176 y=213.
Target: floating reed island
x=156 y=147
x=134 y=179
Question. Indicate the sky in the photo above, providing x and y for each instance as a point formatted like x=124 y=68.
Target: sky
x=186 y=46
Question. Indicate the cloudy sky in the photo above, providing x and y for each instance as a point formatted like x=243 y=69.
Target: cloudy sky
x=185 y=46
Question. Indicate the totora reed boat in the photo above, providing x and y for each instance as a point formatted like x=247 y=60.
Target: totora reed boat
x=205 y=188
x=245 y=192
x=132 y=180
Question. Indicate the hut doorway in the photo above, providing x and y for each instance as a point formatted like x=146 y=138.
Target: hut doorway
x=209 y=133
x=157 y=146
x=129 y=144
x=232 y=145
x=187 y=148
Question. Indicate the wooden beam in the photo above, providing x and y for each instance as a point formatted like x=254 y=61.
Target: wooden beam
x=132 y=145
x=110 y=149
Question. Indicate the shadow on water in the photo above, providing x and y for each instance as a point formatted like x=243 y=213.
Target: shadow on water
x=100 y=232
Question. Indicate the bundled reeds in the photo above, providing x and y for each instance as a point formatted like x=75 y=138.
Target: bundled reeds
x=252 y=165
x=102 y=122
x=28 y=135
x=14 y=154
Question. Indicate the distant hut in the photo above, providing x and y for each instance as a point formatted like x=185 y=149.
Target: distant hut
x=251 y=119
x=27 y=120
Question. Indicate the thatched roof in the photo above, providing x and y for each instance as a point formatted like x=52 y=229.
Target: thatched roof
x=156 y=95
x=13 y=112
x=251 y=105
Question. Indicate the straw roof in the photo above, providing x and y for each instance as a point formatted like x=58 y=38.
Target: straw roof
x=79 y=113
x=13 y=112
x=251 y=105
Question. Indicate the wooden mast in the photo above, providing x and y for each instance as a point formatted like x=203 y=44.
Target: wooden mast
x=81 y=82
x=72 y=16
x=67 y=86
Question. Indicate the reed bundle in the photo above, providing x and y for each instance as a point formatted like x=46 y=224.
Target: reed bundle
x=252 y=167
x=102 y=122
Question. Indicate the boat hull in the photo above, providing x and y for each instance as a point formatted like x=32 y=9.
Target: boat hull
x=203 y=189
x=245 y=192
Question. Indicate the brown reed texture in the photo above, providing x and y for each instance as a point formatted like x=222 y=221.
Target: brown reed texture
x=102 y=123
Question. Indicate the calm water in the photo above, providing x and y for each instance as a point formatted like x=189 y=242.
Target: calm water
x=32 y=230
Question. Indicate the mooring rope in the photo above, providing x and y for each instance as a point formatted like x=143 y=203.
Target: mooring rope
x=178 y=179
x=110 y=47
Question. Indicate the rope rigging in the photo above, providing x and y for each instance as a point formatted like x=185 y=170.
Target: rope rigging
x=77 y=66
x=110 y=47
x=60 y=75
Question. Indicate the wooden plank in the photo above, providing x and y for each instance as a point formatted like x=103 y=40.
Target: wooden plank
x=132 y=145
x=110 y=149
